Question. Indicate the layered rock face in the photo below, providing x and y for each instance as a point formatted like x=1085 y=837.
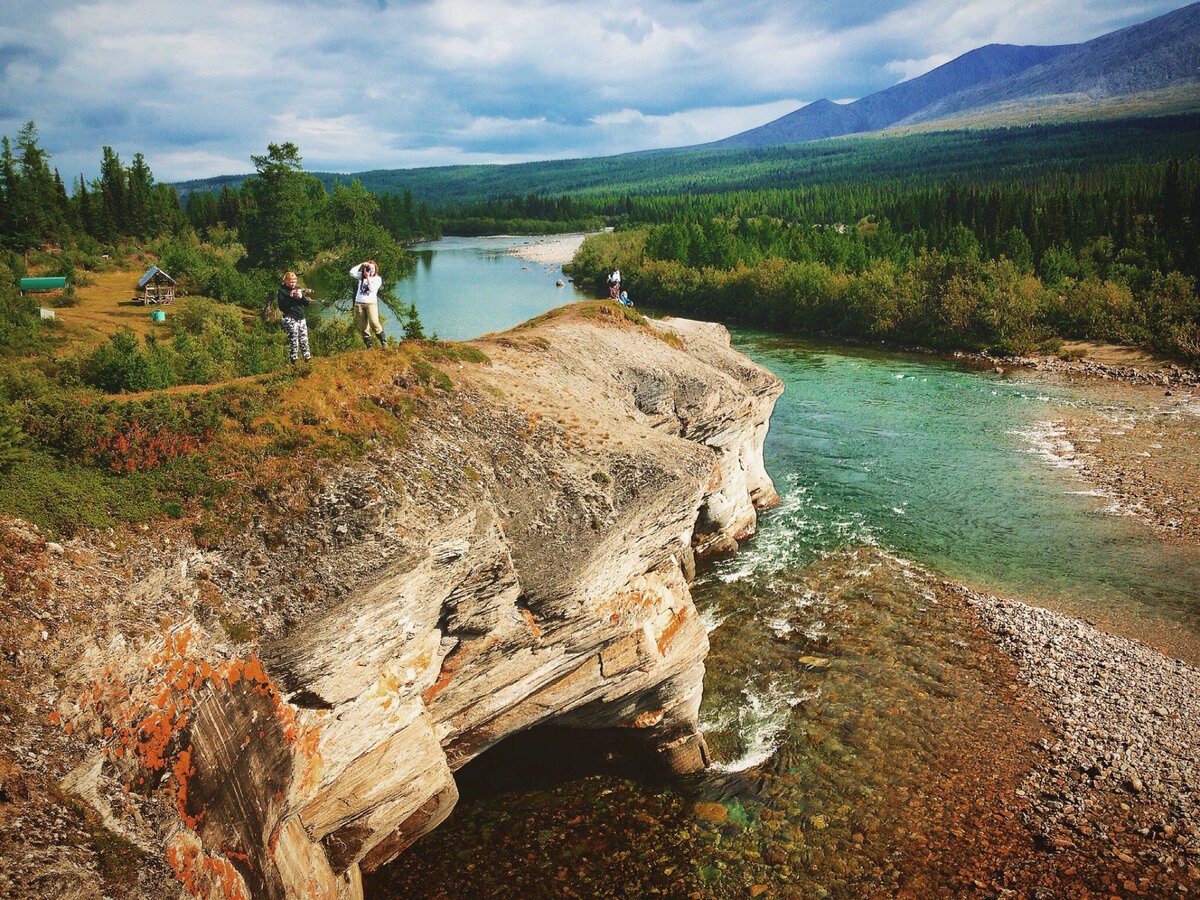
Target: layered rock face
x=524 y=557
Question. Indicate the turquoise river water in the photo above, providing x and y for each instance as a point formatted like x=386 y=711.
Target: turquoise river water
x=477 y=286
x=849 y=699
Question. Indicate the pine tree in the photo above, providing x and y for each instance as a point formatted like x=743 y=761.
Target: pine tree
x=138 y=198
x=111 y=221
x=278 y=222
x=83 y=206
x=8 y=188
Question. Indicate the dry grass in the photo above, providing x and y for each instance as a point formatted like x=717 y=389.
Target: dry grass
x=104 y=307
x=102 y=310
x=1115 y=355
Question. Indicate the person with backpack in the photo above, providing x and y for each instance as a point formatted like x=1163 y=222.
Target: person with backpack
x=291 y=299
x=366 y=301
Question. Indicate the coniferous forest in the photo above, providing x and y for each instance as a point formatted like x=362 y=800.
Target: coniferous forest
x=1108 y=253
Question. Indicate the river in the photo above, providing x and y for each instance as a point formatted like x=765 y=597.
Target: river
x=477 y=286
x=849 y=699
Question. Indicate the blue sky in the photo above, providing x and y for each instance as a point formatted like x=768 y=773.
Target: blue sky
x=360 y=84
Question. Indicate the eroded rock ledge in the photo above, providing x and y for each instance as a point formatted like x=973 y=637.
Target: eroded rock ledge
x=524 y=557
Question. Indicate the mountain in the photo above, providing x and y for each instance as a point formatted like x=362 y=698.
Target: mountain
x=936 y=153
x=1157 y=60
x=824 y=118
x=1152 y=56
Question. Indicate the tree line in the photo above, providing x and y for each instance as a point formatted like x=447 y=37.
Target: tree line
x=970 y=155
x=35 y=209
x=1111 y=254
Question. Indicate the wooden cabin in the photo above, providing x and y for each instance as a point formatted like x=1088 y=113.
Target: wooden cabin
x=156 y=286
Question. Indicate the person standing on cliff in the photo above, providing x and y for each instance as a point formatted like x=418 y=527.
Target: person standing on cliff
x=614 y=284
x=292 y=299
x=366 y=301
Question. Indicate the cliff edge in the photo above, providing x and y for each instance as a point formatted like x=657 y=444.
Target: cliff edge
x=274 y=711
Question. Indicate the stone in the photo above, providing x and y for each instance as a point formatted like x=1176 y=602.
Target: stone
x=710 y=812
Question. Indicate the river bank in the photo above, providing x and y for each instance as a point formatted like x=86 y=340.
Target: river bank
x=1141 y=450
x=1119 y=793
x=1147 y=461
x=558 y=248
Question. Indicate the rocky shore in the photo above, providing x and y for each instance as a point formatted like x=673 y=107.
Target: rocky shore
x=558 y=248
x=1121 y=788
x=1143 y=452
x=1146 y=458
x=1165 y=376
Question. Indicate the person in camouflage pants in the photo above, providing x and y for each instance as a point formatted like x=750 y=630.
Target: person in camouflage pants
x=292 y=301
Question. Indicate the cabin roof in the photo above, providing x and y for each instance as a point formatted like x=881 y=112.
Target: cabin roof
x=154 y=273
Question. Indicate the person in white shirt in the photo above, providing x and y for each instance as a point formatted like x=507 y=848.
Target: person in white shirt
x=614 y=284
x=366 y=301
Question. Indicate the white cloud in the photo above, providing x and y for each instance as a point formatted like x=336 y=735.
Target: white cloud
x=904 y=69
x=200 y=86
x=691 y=126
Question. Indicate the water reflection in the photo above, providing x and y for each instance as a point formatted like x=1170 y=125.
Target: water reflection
x=465 y=287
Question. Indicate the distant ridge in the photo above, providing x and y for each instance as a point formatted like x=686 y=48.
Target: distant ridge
x=824 y=118
x=1138 y=60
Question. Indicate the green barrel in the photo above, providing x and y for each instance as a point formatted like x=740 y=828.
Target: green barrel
x=44 y=283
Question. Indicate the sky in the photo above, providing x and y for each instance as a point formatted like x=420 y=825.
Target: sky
x=364 y=84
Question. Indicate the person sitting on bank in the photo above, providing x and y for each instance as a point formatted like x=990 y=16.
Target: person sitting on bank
x=292 y=299
x=624 y=299
x=366 y=301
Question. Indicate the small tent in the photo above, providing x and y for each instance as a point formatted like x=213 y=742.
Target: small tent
x=156 y=286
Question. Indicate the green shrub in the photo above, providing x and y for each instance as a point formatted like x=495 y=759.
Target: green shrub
x=12 y=446
x=121 y=365
x=63 y=497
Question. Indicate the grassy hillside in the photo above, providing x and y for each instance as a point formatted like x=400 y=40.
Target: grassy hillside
x=1001 y=153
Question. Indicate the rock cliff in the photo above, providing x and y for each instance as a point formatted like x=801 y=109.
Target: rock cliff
x=522 y=556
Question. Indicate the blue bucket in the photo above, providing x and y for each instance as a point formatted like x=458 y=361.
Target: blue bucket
x=158 y=316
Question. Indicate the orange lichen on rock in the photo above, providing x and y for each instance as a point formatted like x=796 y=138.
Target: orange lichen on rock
x=714 y=479
x=183 y=769
x=625 y=605
x=532 y=623
x=454 y=661
x=677 y=620
x=144 y=722
x=203 y=874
